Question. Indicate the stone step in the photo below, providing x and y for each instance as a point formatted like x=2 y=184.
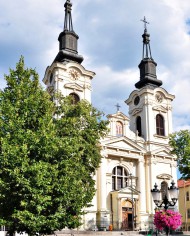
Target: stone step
x=91 y=233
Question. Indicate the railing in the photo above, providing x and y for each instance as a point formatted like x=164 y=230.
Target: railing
x=185 y=226
x=143 y=227
x=117 y=225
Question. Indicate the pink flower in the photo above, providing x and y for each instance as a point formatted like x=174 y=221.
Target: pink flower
x=167 y=219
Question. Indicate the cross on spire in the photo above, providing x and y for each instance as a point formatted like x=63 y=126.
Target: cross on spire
x=68 y=25
x=145 y=22
x=118 y=106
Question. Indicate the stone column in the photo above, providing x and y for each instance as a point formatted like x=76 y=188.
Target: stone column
x=102 y=213
x=149 y=183
x=119 y=213
x=103 y=192
x=141 y=184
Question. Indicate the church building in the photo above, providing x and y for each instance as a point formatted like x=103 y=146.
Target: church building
x=135 y=153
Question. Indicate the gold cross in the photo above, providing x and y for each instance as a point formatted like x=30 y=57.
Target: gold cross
x=145 y=22
x=118 y=106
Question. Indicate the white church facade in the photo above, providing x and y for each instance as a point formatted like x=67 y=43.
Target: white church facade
x=136 y=153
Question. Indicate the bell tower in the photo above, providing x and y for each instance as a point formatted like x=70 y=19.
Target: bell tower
x=150 y=106
x=66 y=74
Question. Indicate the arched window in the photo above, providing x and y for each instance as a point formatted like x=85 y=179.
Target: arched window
x=164 y=189
x=119 y=128
x=187 y=196
x=119 y=178
x=138 y=126
x=160 y=125
x=75 y=98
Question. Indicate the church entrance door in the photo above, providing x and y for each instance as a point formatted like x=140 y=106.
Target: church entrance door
x=130 y=223
x=126 y=218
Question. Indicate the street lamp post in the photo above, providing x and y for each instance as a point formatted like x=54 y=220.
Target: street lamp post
x=173 y=193
x=131 y=177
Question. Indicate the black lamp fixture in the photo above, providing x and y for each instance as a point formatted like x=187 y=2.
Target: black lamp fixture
x=165 y=202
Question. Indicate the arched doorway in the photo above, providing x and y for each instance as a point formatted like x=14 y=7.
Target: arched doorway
x=127 y=215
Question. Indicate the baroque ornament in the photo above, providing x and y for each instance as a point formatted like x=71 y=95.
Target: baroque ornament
x=159 y=97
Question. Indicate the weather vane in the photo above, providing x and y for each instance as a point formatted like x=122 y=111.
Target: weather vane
x=145 y=22
x=118 y=106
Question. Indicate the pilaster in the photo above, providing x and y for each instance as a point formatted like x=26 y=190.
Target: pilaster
x=141 y=184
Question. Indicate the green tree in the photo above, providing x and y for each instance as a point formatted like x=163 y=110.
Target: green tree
x=180 y=143
x=48 y=156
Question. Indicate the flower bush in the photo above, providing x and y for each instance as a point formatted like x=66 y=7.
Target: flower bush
x=167 y=219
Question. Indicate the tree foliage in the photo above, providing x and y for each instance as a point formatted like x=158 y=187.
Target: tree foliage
x=180 y=143
x=48 y=156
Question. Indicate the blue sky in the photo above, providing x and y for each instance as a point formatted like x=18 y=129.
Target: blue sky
x=110 y=42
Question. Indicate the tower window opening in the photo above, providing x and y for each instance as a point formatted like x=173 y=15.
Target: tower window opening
x=119 y=128
x=138 y=126
x=119 y=178
x=75 y=98
x=51 y=78
x=160 y=125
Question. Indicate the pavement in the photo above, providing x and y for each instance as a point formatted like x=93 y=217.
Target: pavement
x=111 y=233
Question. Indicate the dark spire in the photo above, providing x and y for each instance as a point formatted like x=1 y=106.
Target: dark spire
x=68 y=39
x=147 y=65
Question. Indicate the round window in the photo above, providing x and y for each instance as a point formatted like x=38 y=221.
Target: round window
x=136 y=100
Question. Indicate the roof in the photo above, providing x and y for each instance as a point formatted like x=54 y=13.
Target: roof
x=181 y=183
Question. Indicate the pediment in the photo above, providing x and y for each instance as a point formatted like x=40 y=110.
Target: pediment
x=160 y=108
x=126 y=192
x=119 y=115
x=129 y=190
x=136 y=111
x=123 y=143
x=164 y=152
x=74 y=86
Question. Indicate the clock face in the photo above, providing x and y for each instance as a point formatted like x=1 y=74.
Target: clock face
x=74 y=74
x=136 y=100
